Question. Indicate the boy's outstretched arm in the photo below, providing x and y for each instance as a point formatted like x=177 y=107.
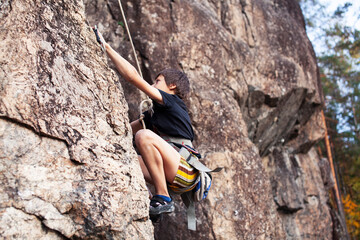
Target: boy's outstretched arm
x=130 y=74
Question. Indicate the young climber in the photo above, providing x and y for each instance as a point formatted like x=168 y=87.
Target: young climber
x=160 y=163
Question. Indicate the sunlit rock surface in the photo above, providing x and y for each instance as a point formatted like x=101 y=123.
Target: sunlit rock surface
x=68 y=168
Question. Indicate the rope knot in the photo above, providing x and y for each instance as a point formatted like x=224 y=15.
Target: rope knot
x=146 y=104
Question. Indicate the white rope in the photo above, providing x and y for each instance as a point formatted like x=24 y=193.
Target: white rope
x=147 y=100
x=128 y=33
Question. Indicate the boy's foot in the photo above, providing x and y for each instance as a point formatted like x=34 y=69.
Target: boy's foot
x=158 y=206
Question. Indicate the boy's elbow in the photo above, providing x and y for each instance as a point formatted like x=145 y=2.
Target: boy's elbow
x=132 y=75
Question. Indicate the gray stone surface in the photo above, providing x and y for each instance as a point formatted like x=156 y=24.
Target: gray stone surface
x=68 y=168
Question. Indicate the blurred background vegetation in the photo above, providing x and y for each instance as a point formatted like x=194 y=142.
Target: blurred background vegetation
x=336 y=39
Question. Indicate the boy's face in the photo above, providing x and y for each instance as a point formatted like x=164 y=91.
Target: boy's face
x=161 y=85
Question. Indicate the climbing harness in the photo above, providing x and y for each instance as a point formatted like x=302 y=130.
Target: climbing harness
x=147 y=100
x=200 y=188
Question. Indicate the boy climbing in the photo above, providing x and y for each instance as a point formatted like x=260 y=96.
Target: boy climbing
x=160 y=162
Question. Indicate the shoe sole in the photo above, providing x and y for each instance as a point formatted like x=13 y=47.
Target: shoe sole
x=163 y=209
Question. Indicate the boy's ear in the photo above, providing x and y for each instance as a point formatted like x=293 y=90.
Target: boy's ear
x=172 y=86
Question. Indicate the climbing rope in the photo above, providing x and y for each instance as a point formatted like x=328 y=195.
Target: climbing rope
x=131 y=41
x=147 y=100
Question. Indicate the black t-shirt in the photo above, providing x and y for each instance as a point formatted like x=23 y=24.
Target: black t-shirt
x=171 y=118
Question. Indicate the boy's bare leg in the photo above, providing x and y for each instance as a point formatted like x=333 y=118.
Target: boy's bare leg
x=145 y=171
x=161 y=160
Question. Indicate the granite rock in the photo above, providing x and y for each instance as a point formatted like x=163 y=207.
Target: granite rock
x=68 y=167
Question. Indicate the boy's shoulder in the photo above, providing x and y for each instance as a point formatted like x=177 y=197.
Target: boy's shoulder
x=171 y=99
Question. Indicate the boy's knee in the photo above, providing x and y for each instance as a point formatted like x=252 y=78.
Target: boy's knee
x=143 y=136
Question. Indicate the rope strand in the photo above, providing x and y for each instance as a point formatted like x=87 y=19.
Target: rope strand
x=131 y=41
x=147 y=100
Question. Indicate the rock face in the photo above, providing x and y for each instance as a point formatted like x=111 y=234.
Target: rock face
x=68 y=168
x=254 y=105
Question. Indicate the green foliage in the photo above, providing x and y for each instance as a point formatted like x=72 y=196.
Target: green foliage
x=339 y=12
x=121 y=23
